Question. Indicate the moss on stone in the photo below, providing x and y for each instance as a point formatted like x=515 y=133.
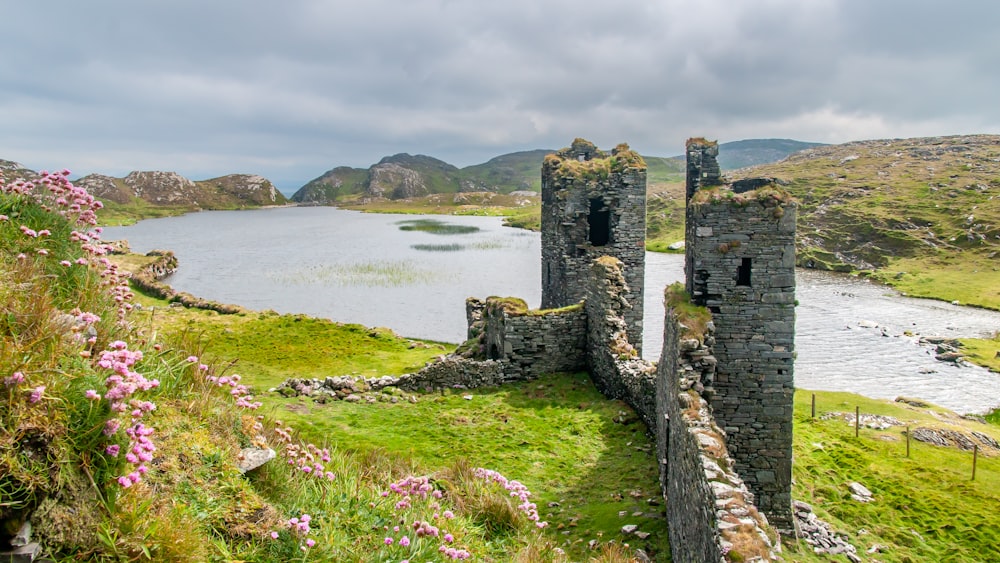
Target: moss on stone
x=693 y=319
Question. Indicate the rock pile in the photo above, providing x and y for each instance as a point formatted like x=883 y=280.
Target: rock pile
x=818 y=533
x=345 y=388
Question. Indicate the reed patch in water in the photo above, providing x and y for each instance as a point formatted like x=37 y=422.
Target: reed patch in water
x=438 y=247
x=385 y=273
x=435 y=227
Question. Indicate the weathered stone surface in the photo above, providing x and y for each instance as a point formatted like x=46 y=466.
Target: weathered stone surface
x=860 y=492
x=593 y=204
x=738 y=266
x=252 y=458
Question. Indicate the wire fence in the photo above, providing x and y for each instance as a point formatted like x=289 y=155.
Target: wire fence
x=945 y=438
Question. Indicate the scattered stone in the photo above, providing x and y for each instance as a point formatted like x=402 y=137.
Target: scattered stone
x=252 y=458
x=23 y=535
x=859 y=492
x=628 y=529
x=867 y=324
x=23 y=554
x=945 y=437
x=872 y=421
x=554 y=504
x=819 y=534
x=642 y=535
x=679 y=245
x=912 y=402
x=467 y=397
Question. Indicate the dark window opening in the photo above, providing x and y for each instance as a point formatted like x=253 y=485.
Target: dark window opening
x=494 y=353
x=743 y=273
x=600 y=222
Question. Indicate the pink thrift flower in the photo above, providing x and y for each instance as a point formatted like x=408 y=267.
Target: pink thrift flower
x=192 y=359
x=404 y=541
x=112 y=450
x=448 y=514
x=388 y=541
x=36 y=394
x=43 y=252
x=274 y=535
x=449 y=538
x=310 y=542
x=125 y=482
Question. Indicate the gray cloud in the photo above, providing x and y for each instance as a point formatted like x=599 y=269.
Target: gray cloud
x=291 y=89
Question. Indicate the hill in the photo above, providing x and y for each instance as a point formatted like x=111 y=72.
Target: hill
x=923 y=212
x=750 y=152
x=404 y=176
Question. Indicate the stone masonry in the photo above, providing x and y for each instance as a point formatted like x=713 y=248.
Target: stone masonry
x=741 y=266
x=593 y=204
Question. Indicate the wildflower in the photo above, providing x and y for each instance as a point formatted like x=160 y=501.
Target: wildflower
x=43 y=252
x=388 y=541
x=14 y=379
x=112 y=450
x=449 y=538
x=274 y=535
x=448 y=514
x=192 y=359
x=404 y=541
x=36 y=394
x=310 y=542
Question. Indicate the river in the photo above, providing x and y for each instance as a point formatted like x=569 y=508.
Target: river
x=364 y=268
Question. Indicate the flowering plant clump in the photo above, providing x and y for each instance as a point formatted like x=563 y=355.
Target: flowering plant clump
x=516 y=490
x=122 y=384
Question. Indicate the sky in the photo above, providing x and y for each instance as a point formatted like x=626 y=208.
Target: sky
x=289 y=89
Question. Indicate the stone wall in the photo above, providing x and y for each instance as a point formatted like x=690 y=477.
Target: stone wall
x=741 y=257
x=593 y=204
x=615 y=366
x=710 y=512
x=533 y=342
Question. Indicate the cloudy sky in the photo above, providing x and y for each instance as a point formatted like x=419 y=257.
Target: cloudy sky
x=288 y=89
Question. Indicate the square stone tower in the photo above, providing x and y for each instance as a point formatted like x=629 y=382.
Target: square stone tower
x=740 y=244
x=593 y=204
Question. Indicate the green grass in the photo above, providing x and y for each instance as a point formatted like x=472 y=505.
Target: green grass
x=926 y=506
x=556 y=434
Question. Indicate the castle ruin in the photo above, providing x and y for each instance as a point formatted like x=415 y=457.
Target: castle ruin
x=719 y=401
x=593 y=205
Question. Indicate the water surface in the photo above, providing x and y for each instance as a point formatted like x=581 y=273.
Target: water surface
x=362 y=268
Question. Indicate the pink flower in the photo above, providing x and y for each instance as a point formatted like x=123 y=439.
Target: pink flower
x=274 y=535
x=14 y=379
x=448 y=514
x=404 y=541
x=449 y=538
x=388 y=541
x=66 y=263
x=36 y=394
x=310 y=542
x=112 y=450
x=192 y=359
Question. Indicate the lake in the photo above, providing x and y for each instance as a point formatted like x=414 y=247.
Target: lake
x=365 y=268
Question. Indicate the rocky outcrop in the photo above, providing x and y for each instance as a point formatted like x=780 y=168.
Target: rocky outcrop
x=392 y=181
x=162 y=187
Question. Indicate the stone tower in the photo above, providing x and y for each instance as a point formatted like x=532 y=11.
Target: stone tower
x=740 y=242
x=593 y=204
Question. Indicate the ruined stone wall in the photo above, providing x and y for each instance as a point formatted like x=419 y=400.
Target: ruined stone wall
x=702 y=171
x=741 y=250
x=615 y=366
x=710 y=512
x=531 y=342
x=593 y=204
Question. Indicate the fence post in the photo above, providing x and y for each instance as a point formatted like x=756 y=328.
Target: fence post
x=814 y=406
x=907 y=441
x=857 y=421
x=975 y=456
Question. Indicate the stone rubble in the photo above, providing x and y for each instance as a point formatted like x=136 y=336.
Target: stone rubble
x=820 y=535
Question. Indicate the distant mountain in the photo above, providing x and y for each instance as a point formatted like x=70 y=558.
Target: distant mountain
x=750 y=152
x=865 y=203
x=403 y=176
x=169 y=189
